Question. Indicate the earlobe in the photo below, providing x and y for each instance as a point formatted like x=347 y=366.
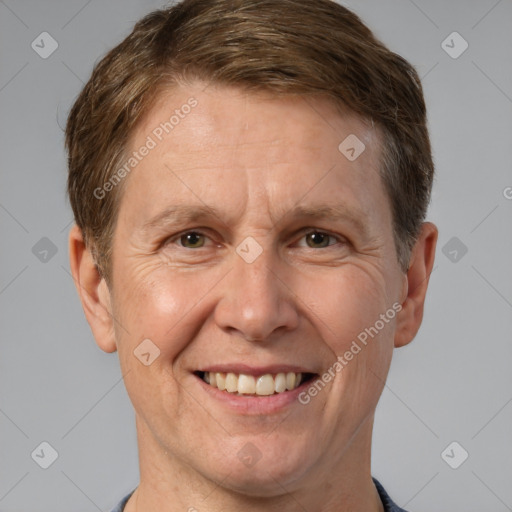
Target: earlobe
x=416 y=284
x=93 y=291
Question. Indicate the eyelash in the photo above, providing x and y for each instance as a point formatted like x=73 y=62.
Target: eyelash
x=304 y=233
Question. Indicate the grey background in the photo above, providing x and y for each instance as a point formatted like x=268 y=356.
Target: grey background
x=453 y=383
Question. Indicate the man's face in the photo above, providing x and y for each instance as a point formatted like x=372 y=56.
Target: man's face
x=275 y=254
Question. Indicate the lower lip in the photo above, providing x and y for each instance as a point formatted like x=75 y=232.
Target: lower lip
x=254 y=405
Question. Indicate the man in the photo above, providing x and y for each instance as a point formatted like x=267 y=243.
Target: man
x=249 y=181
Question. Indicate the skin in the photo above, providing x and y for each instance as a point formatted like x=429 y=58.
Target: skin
x=253 y=158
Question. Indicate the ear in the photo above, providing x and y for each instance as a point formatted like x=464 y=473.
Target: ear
x=415 y=287
x=93 y=291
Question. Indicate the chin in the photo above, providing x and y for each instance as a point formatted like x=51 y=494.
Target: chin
x=260 y=483
x=263 y=474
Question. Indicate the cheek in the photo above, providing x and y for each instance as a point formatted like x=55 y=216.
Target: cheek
x=155 y=313
x=348 y=308
x=163 y=306
x=345 y=302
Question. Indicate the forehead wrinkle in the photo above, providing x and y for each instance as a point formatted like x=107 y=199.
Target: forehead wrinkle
x=275 y=145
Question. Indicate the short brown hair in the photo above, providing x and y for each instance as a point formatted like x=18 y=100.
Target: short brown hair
x=282 y=46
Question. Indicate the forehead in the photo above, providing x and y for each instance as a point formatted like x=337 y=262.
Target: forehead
x=229 y=148
x=220 y=116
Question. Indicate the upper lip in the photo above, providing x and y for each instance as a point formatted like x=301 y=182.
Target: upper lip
x=245 y=369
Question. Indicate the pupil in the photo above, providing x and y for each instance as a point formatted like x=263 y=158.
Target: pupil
x=192 y=239
x=319 y=239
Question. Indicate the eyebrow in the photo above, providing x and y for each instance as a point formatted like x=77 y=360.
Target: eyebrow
x=338 y=212
x=183 y=213
x=190 y=213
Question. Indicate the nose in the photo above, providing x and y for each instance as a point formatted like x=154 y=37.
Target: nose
x=257 y=299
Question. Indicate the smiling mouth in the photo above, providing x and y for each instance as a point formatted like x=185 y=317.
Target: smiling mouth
x=255 y=385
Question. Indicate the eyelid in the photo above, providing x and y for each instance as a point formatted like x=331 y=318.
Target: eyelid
x=174 y=238
x=306 y=231
x=300 y=234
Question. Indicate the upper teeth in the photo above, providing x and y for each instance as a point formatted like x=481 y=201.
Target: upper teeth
x=250 y=385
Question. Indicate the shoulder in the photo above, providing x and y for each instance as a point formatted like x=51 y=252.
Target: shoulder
x=120 y=506
x=389 y=504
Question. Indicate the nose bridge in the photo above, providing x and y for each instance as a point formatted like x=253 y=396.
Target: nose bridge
x=254 y=268
x=255 y=302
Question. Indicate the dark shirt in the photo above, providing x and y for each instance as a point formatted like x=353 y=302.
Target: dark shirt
x=389 y=504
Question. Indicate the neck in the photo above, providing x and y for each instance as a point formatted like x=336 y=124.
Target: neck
x=341 y=484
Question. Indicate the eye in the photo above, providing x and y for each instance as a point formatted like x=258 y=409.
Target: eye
x=192 y=240
x=319 y=239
